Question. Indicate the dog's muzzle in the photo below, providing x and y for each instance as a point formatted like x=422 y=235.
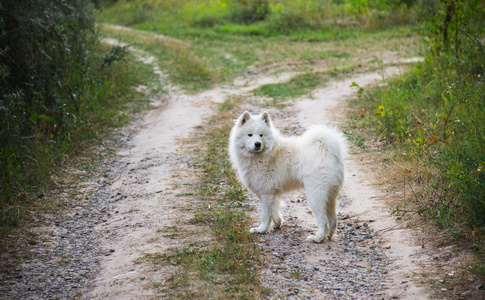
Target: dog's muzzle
x=257 y=147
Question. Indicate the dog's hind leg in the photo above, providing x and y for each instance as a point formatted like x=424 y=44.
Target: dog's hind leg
x=332 y=214
x=321 y=199
x=276 y=212
x=317 y=203
x=322 y=228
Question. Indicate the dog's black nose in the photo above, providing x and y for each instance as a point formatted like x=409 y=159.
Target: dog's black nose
x=257 y=145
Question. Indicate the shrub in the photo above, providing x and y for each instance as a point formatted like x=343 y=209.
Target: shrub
x=456 y=57
x=288 y=16
x=53 y=92
x=437 y=112
x=454 y=29
x=45 y=67
x=248 y=11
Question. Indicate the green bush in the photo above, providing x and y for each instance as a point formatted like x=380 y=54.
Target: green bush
x=288 y=16
x=454 y=29
x=55 y=90
x=45 y=68
x=437 y=112
x=456 y=59
x=248 y=11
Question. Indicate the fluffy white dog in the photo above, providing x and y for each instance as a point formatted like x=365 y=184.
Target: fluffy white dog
x=270 y=164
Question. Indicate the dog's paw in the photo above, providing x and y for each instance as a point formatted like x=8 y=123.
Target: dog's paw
x=277 y=223
x=260 y=229
x=315 y=239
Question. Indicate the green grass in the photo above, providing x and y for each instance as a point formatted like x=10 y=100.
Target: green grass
x=279 y=91
x=236 y=252
x=297 y=86
x=215 y=52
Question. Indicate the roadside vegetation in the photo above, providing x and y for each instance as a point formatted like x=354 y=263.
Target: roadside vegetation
x=301 y=19
x=61 y=91
x=431 y=125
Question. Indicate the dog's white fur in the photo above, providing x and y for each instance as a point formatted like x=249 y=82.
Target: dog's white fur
x=270 y=164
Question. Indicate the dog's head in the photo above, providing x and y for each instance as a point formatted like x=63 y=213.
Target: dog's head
x=254 y=132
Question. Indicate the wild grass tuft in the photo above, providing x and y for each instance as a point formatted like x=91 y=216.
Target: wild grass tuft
x=297 y=86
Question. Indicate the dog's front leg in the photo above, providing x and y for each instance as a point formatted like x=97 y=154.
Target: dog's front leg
x=267 y=203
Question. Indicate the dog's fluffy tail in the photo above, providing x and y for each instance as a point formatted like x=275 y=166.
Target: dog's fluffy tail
x=333 y=139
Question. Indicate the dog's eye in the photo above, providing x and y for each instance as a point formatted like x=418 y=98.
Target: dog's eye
x=250 y=134
x=261 y=135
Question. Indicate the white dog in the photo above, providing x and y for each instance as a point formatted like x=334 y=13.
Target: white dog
x=270 y=165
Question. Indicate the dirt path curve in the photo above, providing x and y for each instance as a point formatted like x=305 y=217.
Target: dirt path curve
x=364 y=261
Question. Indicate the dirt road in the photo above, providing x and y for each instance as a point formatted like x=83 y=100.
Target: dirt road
x=366 y=260
x=141 y=195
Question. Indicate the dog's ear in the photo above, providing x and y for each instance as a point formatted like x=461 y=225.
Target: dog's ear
x=243 y=118
x=265 y=117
